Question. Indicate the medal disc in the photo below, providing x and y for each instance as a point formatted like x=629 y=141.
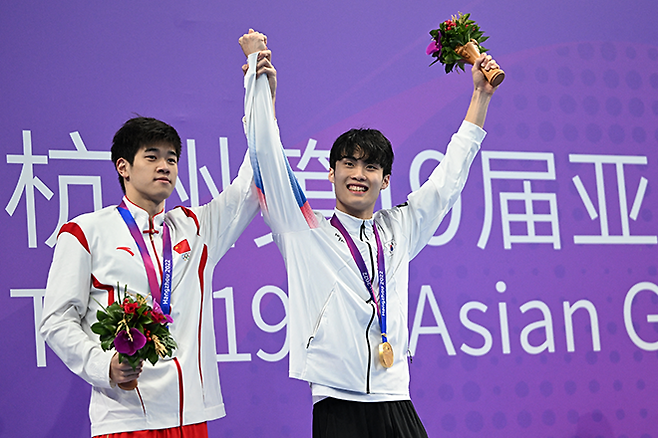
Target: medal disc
x=386 y=354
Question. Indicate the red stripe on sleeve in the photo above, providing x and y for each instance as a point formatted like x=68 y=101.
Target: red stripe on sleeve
x=189 y=213
x=202 y=268
x=76 y=231
x=110 y=289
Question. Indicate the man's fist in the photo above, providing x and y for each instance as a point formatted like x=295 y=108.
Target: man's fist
x=253 y=42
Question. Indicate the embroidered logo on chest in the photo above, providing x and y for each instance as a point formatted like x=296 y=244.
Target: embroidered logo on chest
x=126 y=249
x=390 y=246
x=183 y=248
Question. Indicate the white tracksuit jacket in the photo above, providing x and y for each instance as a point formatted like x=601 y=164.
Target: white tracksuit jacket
x=333 y=326
x=96 y=251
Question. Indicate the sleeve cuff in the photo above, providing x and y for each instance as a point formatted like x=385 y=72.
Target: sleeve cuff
x=102 y=377
x=472 y=130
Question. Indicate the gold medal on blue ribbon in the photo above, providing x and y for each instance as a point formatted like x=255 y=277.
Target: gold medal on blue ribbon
x=386 y=354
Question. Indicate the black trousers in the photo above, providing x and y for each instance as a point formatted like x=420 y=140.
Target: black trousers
x=333 y=418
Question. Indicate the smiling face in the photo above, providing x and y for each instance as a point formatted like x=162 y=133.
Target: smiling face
x=357 y=184
x=151 y=178
x=360 y=163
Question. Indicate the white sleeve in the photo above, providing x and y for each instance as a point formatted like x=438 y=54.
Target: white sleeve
x=227 y=216
x=283 y=202
x=427 y=206
x=65 y=306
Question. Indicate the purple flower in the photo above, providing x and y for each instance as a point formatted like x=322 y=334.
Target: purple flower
x=124 y=345
x=433 y=48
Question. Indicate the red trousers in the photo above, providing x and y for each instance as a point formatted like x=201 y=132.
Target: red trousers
x=199 y=430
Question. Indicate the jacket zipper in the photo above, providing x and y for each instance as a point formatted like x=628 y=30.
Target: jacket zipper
x=372 y=318
x=370 y=301
x=372 y=259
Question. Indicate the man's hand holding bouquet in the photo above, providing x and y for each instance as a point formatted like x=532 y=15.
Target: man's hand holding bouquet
x=135 y=330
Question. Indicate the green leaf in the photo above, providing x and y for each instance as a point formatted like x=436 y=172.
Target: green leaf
x=97 y=328
x=152 y=357
x=115 y=312
x=101 y=329
x=132 y=360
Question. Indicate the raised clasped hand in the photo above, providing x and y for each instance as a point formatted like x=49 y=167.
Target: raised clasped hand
x=253 y=41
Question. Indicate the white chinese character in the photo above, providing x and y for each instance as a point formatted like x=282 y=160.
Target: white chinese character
x=310 y=152
x=602 y=214
x=80 y=153
x=527 y=197
x=205 y=173
x=530 y=218
x=322 y=188
x=27 y=182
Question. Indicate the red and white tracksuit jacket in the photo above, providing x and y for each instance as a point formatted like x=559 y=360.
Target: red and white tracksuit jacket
x=96 y=251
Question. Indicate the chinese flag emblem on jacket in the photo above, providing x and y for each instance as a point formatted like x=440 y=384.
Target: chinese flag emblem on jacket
x=183 y=248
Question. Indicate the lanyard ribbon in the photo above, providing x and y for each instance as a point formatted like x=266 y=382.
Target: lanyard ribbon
x=381 y=270
x=162 y=295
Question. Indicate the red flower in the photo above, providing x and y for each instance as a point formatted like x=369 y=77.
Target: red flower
x=130 y=308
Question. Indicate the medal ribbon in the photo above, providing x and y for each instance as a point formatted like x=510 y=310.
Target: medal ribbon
x=381 y=270
x=162 y=294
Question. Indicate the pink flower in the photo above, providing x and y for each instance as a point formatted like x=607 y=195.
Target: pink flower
x=125 y=345
x=158 y=316
x=433 y=48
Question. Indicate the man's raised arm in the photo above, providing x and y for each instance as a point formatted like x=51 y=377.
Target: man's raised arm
x=482 y=91
x=283 y=203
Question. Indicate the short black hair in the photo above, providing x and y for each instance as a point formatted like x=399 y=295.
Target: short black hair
x=140 y=132
x=365 y=144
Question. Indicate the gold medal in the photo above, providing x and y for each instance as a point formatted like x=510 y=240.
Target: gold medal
x=386 y=354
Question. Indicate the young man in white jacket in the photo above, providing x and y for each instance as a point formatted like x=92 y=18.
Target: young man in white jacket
x=348 y=276
x=97 y=251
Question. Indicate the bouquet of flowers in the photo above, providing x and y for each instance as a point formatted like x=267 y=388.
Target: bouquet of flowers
x=134 y=329
x=458 y=41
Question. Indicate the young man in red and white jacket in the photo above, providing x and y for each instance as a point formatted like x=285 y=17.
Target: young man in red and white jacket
x=96 y=252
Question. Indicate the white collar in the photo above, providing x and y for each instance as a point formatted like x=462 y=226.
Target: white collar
x=353 y=224
x=142 y=217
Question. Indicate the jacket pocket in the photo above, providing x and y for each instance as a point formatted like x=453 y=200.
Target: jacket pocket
x=320 y=316
x=336 y=353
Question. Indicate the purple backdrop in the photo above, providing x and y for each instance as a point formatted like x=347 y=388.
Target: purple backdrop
x=534 y=314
